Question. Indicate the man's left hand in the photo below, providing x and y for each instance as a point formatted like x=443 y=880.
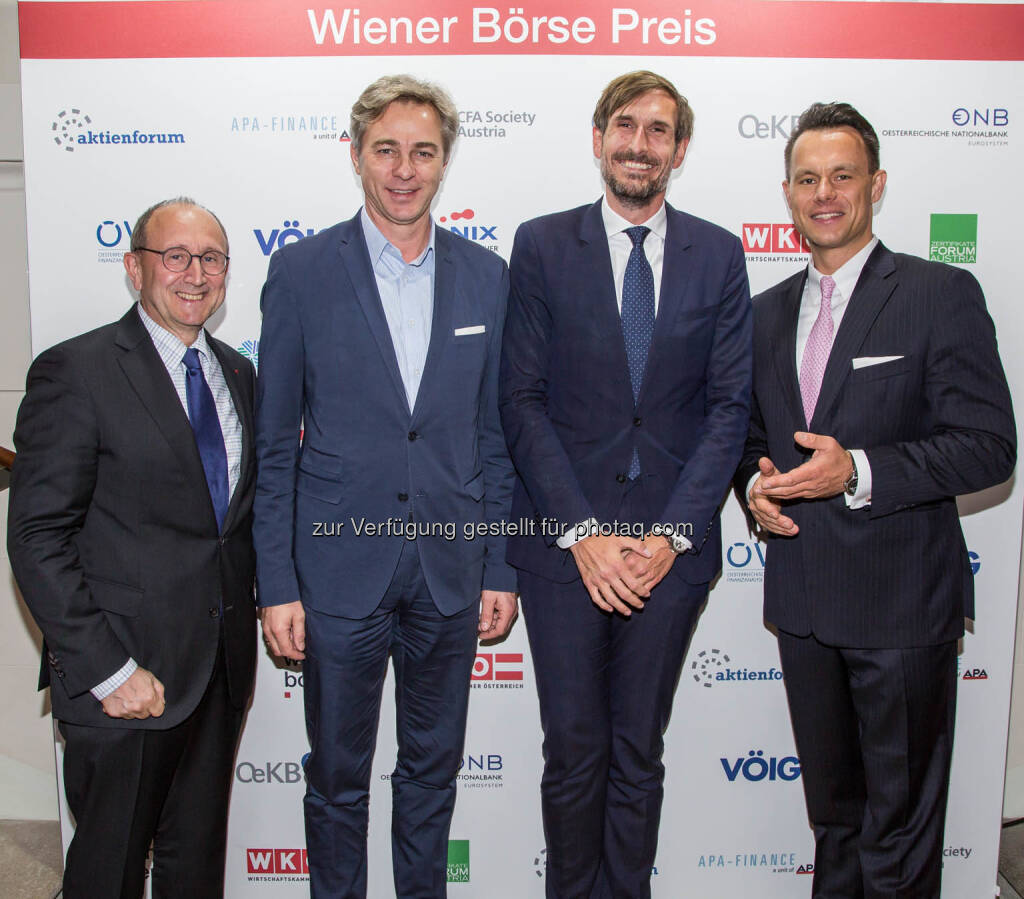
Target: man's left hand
x=497 y=612
x=650 y=571
x=821 y=476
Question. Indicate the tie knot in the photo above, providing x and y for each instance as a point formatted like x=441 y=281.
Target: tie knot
x=191 y=360
x=827 y=286
x=638 y=234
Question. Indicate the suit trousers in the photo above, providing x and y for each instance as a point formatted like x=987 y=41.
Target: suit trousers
x=605 y=685
x=874 y=732
x=128 y=788
x=346 y=662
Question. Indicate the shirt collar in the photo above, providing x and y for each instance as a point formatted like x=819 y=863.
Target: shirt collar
x=846 y=275
x=616 y=224
x=169 y=345
x=378 y=244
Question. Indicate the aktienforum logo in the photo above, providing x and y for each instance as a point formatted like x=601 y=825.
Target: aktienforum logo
x=458 y=861
x=72 y=128
x=954 y=238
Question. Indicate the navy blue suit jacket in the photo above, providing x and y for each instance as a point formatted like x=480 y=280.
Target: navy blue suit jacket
x=327 y=364
x=566 y=399
x=935 y=423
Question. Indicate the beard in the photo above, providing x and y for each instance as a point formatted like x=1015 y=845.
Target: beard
x=638 y=190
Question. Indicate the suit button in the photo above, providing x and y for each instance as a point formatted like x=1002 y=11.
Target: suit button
x=636 y=422
x=403 y=497
x=412 y=436
x=621 y=478
x=215 y=613
x=221 y=541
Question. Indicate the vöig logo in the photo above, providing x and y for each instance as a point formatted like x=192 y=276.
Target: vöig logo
x=755 y=767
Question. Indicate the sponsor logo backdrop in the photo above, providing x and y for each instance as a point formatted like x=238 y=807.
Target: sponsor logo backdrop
x=243 y=105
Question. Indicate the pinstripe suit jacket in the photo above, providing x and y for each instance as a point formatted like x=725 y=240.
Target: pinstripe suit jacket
x=935 y=423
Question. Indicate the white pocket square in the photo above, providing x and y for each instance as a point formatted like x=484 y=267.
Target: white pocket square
x=865 y=361
x=469 y=329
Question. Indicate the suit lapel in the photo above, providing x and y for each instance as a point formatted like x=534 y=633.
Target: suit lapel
x=147 y=377
x=240 y=387
x=445 y=286
x=356 y=260
x=597 y=296
x=783 y=347
x=875 y=285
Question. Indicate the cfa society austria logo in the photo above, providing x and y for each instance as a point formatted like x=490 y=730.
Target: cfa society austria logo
x=72 y=129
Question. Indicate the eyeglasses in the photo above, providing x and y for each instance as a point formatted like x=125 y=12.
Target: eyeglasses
x=177 y=259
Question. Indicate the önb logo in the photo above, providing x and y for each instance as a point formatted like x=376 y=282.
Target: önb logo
x=479 y=233
x=278 y=237
x=997 y=117
x=766 y=237
x=755 y=767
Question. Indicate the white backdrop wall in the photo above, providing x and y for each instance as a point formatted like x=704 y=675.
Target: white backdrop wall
x=243 y=105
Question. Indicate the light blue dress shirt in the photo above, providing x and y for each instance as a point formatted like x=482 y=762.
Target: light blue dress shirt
x=407 y=294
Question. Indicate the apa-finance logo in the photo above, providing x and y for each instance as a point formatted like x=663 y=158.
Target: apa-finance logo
x=72 y=129
x=113 y=239
x=458 y=861
x=275 y=238
x=768 y=861
x=744 y=561
x=954 y=238
x=497 y=671
x=712 y=666
x=275 y=865
x=756 y=767
x=463 y=222
x=295 y=123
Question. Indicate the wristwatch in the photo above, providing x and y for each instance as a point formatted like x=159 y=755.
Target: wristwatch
x=850 y=484
x=676 y=543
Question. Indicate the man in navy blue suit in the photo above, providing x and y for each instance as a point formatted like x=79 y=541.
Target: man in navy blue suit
x=878 y=398
x=624 y=395
x=381 y=339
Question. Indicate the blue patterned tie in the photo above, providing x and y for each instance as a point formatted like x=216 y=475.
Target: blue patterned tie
x=637 y=317
x=202 y=414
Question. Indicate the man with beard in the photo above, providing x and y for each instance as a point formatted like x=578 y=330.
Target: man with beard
x=624 y=395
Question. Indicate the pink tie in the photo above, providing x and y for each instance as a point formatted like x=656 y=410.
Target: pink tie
x=819 y=344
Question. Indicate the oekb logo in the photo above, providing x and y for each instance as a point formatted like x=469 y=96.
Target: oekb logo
x=277 y=861
x=278 y=237
x=772 y=238
x=756 y=768
x=485 y=234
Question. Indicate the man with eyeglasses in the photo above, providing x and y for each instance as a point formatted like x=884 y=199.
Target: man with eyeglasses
x=130 y=535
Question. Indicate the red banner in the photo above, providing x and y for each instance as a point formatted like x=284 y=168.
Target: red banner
x=727 y=28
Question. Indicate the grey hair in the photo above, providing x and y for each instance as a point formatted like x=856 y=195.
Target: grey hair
x=139 y=231
x=374 y=101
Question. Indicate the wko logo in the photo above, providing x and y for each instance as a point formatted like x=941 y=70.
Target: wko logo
x=71 y=129
x=755 y=767
x=497 y=670
x=276 y=864
x=475 y=232
x=767 y=237
x=278 y=237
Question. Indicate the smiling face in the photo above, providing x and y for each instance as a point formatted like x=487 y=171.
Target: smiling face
x=400 y=162
x=830 y=194
x=180 y=302
x=638 y=153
